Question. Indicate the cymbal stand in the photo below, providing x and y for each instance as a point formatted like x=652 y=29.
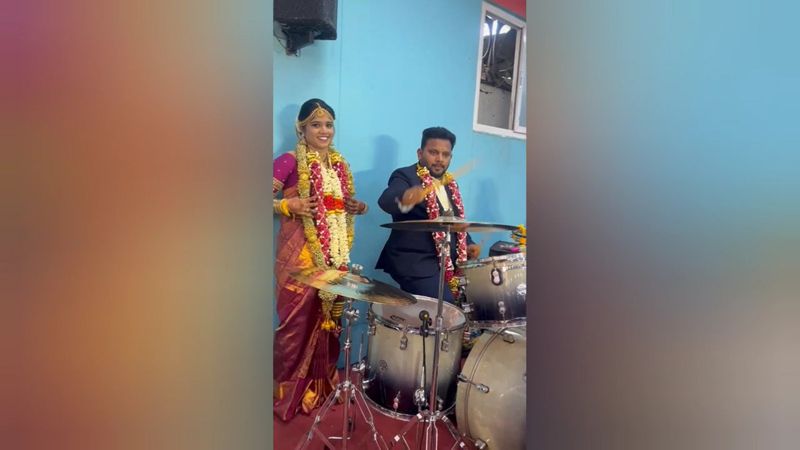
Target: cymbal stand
x=350 y=393
x=426 y=417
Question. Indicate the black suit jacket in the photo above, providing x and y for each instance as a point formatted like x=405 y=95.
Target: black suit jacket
x=409 y=253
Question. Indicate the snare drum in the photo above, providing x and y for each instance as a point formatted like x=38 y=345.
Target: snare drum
x=393 y=378
x=495 y=289
x=490 y=401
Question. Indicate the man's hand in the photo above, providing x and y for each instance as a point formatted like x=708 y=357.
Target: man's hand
x=473 y=251
x=413 y=195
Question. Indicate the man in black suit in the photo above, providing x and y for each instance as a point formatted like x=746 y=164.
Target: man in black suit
x=422 y=191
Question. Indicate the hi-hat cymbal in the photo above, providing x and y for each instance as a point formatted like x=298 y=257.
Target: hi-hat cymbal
x=353 y=286
x=447 y=224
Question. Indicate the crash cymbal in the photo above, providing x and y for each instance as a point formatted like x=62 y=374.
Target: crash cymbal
x=353 y=286
x=448 y=224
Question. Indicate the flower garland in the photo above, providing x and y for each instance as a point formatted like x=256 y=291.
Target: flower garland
x=432 y=207
x=329 y=234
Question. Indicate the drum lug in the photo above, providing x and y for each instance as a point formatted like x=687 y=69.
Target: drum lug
x=522 y=289
x=419 y=399
x=497 y=276
x=403 y=342
x=467 y=307
x=479 y=444
x=479 y=386
x=396 y=401
x=445 y=344
x=501 y=308
x=372 y=329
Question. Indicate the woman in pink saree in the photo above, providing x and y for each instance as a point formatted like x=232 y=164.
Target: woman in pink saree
x=316 y=211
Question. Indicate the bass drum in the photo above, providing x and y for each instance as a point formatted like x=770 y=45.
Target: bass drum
x=490 y=400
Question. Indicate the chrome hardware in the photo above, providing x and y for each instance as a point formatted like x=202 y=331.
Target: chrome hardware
x=419 y=398
x=359 y=367
x=403 y=342
x=356 y=269
x=508 y=337
x=481 y=387
x=372 y=329
x=497 y=277
x=445 y=345
x=467 y=307
x=522 y=289
x=365 y=382
x=501 y=308
x=396 y=401
x=479 y=444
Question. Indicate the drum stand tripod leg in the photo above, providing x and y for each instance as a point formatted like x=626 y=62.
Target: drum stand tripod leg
x=350 y=393
x=315 y=426
x=428 y=419
x=459 y=439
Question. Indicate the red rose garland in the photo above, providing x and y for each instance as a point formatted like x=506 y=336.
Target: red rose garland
x=318 y=230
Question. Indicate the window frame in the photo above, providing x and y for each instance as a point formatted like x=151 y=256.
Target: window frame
x=514 y=130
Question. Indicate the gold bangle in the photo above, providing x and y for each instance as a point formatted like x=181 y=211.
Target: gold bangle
x=285 y=207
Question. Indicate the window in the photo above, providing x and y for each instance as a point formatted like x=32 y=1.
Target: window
x=500 y=86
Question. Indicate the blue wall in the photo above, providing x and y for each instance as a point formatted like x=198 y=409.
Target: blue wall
x=395 y=69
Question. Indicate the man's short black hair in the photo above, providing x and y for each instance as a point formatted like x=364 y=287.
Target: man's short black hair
x=438 y=133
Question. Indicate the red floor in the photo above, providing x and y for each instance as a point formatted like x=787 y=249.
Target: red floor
x=289 y=435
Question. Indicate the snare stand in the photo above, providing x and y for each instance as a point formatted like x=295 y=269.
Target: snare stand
x=350 y=392
x=427 y=417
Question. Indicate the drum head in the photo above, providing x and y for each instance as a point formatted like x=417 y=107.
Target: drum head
x=408 y=315
x=496 y=417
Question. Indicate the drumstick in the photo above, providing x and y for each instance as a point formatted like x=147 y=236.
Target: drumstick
x=458 y=173
x=463 y=170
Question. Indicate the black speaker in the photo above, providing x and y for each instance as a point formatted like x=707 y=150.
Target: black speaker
x=314 y=17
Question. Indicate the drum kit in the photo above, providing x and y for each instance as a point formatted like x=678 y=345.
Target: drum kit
x=413 y=368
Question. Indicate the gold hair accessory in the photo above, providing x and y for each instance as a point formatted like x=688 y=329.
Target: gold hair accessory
x=318 y=112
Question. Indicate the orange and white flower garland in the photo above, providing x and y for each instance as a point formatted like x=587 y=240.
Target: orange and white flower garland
x=432 y=207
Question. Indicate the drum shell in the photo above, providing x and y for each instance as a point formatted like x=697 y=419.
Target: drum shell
x=392 y=370
x=496 y=417
x=497 y=305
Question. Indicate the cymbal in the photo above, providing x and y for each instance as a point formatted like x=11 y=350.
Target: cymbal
x=353 y=286
x=448 y=224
